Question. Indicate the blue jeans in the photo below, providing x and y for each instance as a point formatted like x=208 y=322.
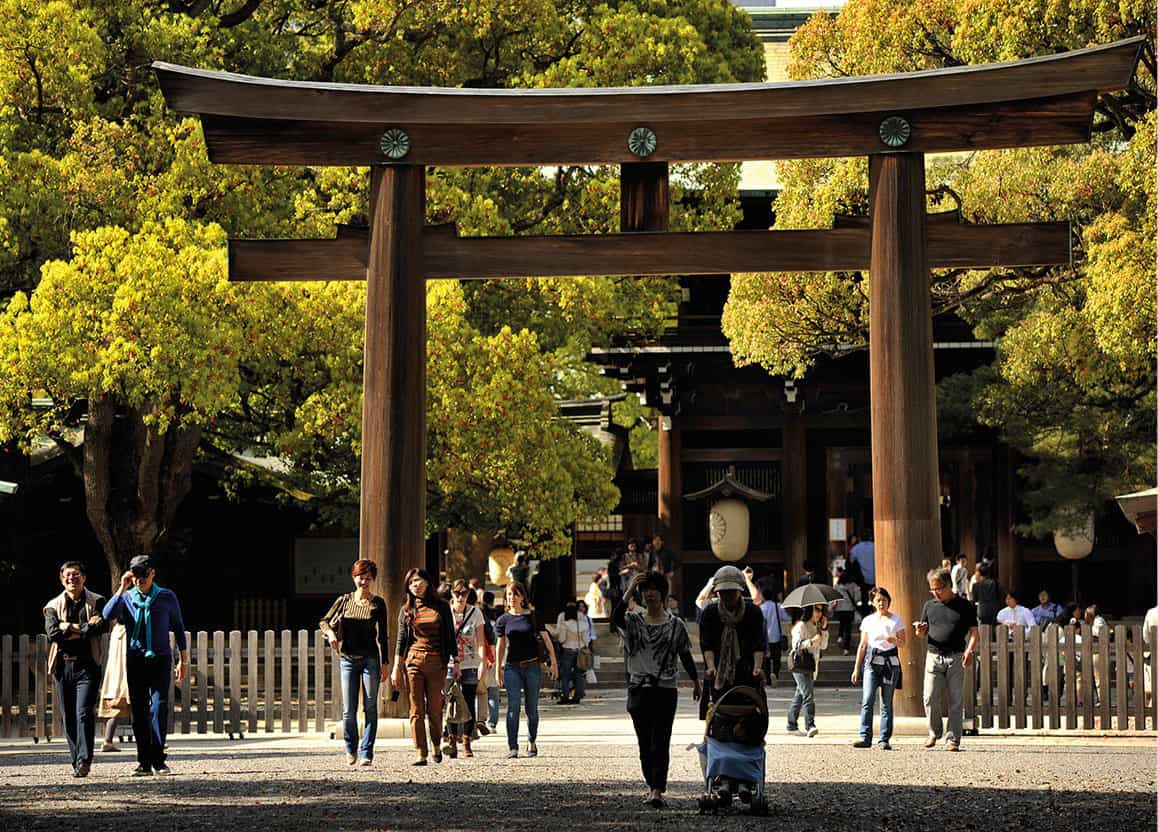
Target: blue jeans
x=148 y=680
x=493 y=706
x=803 y=698
x=870 y=683
x=570 y=676
x=360 y=672
x=522 y=681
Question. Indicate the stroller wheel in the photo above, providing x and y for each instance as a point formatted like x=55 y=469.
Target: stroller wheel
x=723 y=798
x=759 y=806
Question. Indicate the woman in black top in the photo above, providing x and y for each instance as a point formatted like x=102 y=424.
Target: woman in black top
x=518 y=656
x=356 y=626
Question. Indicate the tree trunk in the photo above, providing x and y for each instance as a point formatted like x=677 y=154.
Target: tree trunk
x=135 y=478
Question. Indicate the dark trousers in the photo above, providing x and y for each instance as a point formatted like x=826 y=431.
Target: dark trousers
x=78 y=684
x=149 y=694
x=772 y=660
x=845 y=618
x=653 y=712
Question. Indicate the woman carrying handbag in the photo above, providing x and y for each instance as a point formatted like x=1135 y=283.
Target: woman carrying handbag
x=470 y=638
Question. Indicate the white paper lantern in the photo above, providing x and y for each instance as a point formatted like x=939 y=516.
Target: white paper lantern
x=499 y=562
x=1075 y=545
x=728 y=529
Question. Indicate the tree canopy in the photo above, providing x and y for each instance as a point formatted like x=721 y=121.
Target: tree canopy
x=1073 y=383
x=113 y=221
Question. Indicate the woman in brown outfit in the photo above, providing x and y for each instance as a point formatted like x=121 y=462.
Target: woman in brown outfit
x=426 y=652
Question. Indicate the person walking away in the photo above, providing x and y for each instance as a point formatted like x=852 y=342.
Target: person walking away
x=73 y=622
x=960 y=576
x=864 y=556
x=149 y=613
x=356 y=628
x=114 y=702
x=519 y=634
x=572 y=634
x=424 y=655
x=845 y=609
x=882 y=634
x=950 y=624
x=732 y=637
x=470 y=637
x=987 y=596
x=775 y=617
x=809 y=640
x=653 y=639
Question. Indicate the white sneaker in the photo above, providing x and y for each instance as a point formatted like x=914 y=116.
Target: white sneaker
x=812 y=732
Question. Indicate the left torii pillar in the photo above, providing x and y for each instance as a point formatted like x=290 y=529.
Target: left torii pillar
x=393 y=501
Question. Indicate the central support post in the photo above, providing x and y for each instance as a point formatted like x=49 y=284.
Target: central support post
x=392 y=531
x=906 y=520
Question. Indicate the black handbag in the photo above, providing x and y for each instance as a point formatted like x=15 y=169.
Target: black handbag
x=802 y=660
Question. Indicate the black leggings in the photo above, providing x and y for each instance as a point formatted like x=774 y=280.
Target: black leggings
x=470 y=692
x=653 y=712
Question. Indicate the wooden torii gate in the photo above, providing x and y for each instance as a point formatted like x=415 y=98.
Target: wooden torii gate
x=894 y=120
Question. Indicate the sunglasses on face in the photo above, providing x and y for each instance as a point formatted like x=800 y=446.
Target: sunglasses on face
x=462 y=592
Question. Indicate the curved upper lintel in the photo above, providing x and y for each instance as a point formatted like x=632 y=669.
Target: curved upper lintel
x=1092 y=70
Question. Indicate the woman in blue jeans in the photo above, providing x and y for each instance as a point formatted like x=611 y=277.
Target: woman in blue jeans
x=881 y=634
x=518 y=655
x=809 y=640
x=356 y=626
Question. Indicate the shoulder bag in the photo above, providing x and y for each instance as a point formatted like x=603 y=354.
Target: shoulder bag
x=586 y=658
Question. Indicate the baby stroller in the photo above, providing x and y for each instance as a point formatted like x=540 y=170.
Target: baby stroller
x=732 y=755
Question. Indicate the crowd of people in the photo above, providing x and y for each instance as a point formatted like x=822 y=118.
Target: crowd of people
x=454 y=650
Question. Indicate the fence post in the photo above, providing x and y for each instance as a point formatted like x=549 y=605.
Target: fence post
x=1139 y=681
x=1001 y=642
x=42 y=725
x=22 y=698
x=235 y=724
x=1106 y=688
x=1018 y=658
x=335 y=685
x=1051 y=666
x=6 y=687
x=270 y=678
x=1088 y=679
x=969 y=694
x=172 y=719
x=287 y=680
x=303 y=681
x=1036 y=676
x=187 y=687
x=202 y=681
x=319 y=681
x=251 y=691
x=1154 y=676
x=1071 y=674
x=218 y=681
x=986 y=676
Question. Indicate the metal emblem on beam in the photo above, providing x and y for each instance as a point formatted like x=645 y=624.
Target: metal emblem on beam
x=395 y=143
x=895 y=131
x=642 y=142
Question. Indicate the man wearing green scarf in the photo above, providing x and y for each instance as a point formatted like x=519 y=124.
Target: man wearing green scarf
x=149 y=612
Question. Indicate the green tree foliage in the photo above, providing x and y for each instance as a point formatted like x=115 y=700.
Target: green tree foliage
x=1073 y=383
x=112 y=221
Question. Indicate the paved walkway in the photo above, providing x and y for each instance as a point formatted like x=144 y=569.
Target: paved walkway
x=587 y=775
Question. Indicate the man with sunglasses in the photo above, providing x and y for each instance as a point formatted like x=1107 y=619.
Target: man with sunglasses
x=950 y=622
x=149 y=613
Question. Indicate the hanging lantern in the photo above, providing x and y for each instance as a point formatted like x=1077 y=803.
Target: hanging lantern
x=499 y=562
x=728 y=529
x=1077 y=543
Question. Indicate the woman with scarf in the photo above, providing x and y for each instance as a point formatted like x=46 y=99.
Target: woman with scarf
x=425 y=654
x=809 y=640
x=732 y=636
x=653 y=639
x=881 y=634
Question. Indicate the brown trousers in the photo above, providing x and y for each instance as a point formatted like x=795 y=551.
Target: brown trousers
x=426 y=676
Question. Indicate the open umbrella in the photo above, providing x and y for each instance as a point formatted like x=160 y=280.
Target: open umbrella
x=810 y=594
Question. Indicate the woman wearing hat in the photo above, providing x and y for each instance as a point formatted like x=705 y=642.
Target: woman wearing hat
x=732 y=636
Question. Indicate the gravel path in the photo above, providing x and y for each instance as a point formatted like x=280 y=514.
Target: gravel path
x=593 y=782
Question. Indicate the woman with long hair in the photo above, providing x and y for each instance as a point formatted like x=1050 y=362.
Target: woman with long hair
x=809 y=640
x=470 y=637
x=426 y=653
x=518 y=633
x=356 y=626
x=881 y=635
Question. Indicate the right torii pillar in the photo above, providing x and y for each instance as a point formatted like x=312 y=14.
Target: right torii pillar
x=906 y=518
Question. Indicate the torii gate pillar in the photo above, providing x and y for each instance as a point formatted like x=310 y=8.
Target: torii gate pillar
x=393 y=506
x=906 y=520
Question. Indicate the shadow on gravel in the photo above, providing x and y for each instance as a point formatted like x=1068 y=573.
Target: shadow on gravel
x=270 y=802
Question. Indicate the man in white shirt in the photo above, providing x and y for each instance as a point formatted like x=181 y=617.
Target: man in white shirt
x=1014 y=613
x=1148 y=625
x=960 y=577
